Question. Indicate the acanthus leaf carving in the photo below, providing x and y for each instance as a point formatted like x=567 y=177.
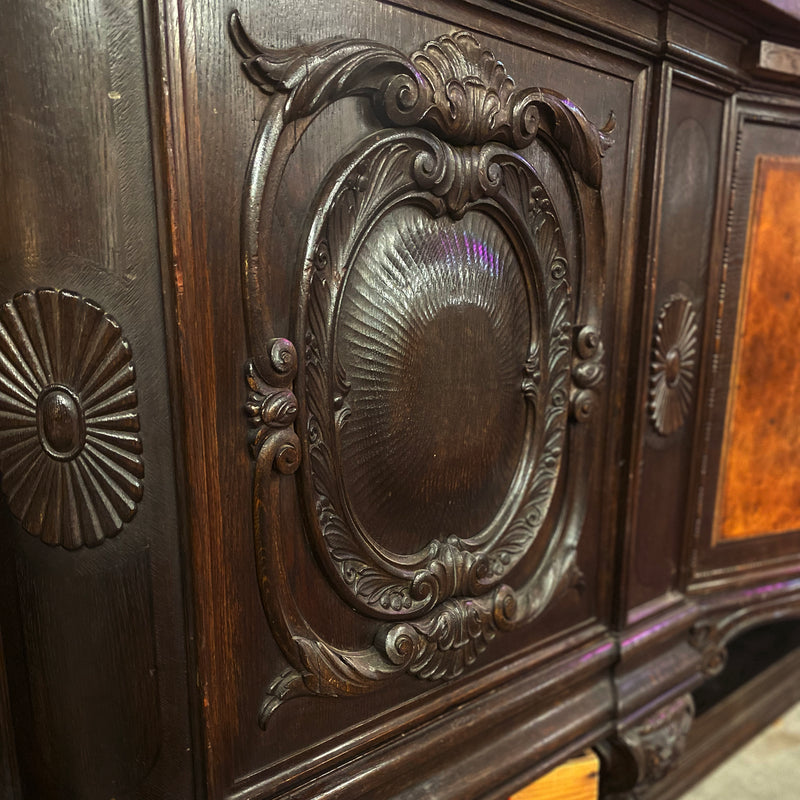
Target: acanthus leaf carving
x=70 y=450
x=437 y=646
x=453 y=87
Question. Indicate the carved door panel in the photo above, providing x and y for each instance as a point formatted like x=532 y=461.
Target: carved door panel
x=423 y=273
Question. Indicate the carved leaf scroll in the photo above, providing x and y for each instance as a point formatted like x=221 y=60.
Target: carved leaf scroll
x=452 y=86
x=70 y=451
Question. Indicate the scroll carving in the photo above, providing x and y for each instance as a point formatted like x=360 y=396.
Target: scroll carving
x=272 y=408
x=452 y=86
x=439 y=217
x=70 y=451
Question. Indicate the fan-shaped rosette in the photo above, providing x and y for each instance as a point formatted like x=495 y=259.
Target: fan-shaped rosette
x=673 y=365
x=433 y=334
x=70 y=453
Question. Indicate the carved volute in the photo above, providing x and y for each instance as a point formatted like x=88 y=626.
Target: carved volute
x=444 y=348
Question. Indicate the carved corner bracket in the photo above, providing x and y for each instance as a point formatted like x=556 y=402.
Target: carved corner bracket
x=706 y=638
x=642 y=755
x=440 y=214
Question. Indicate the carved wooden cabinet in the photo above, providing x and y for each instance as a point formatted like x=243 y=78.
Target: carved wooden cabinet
x=395 y=398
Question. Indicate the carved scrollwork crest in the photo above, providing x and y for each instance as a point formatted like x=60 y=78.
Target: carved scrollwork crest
x=425 y=397
x=452 y=86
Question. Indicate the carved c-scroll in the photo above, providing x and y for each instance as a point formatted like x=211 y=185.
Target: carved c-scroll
x=443 y=174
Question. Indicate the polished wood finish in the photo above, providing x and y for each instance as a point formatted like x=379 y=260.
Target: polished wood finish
x=387 y=464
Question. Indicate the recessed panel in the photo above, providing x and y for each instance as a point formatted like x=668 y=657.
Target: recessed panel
x=760 y=481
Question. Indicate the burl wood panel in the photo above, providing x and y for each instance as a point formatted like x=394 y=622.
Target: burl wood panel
x=760 y=487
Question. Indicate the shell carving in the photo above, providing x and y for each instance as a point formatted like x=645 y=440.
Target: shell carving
x=70 y=453
x=673 y=365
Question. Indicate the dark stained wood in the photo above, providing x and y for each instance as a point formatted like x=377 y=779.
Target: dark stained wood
x=94 y=641
x=363 y=376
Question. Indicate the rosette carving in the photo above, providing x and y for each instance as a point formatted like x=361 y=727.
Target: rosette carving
x=70 y=451
x=438 y=359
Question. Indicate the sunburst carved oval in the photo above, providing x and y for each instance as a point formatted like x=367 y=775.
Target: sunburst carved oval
x=672 y=368
x=70 y=451
x=434 y=328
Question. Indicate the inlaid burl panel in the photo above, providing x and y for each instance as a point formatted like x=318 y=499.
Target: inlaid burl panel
x=760 y=481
